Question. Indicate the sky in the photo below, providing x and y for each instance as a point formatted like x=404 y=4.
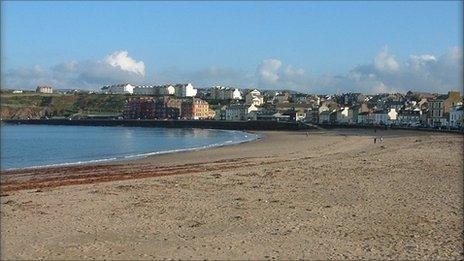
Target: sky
x=308 y=46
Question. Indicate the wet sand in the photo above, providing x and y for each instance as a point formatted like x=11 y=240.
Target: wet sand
x=332 y=195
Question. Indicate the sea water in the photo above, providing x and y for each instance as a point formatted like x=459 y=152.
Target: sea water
x=25 y=146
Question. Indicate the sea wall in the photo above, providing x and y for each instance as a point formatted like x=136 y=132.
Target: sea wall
x=203 y=124
x=393 y=127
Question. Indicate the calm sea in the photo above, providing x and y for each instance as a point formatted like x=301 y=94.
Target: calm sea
x=47 y=145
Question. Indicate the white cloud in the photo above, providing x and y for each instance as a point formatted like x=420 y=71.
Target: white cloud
x=385 y=62
x=122 y=60
x=88 y=74
x=272 y=74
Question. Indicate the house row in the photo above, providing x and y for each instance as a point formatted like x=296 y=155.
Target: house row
x=177 y=90
x=167 y=107
x=441 y=111
x=225 y=93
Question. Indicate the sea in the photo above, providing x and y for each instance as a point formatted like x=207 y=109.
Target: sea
x=33 y=146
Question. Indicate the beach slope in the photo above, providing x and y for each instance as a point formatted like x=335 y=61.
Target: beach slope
x=327 y=195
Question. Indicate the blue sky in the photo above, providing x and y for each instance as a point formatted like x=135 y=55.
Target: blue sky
x=184 y=40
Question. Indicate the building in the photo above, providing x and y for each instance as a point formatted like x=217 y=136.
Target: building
x=295 y=114
x=167 y=107
x=145 y=90
x=409 y=118
x=456 y=116
x=139 y=108
x=385 y=117
x=123 y=88
x=225 y=93
x=183 y=90
x=196 y=109
x=281 y=98
x=44 y=89
x=236 y=112
x=312 y=116
x=169 y=89
x=440 y=107
x=254 y=97
x=220 y=113
x=344 y=116
x=365 y=118
x=324 y=117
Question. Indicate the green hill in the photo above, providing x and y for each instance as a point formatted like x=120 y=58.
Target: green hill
x=32 y=105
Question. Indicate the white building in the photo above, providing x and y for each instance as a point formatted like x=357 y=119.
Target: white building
x=456 y=116
x=225 y=93
x=185 y=90
x=179 y=90
x=44 y=89
x=168 y=89
x=123 y=88
x=254 y=97
x=345 y=115
x=385 y=117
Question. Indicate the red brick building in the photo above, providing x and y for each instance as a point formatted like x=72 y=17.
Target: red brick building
x=196 y=109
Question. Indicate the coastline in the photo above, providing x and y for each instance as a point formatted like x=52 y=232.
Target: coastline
x=142 y=155
x=332 y=195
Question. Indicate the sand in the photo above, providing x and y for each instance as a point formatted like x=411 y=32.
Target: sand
x=332 y=195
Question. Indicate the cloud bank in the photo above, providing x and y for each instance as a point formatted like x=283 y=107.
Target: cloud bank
x=425 y=72
x=384 y=73
x=88 y=74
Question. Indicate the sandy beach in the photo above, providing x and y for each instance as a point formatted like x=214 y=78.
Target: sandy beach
x=330 y=195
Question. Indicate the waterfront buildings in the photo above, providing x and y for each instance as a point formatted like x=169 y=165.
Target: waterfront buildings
x=140 y=108
x=196 y=109
x=236 y=112
x=167 y=107
x=439 y=108
x=413 y=109
x=385 y=116
x=456 y=118
x=344 y=115
x=409 y=117
x=44 y=89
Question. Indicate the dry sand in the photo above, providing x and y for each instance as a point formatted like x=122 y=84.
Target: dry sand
x=332 y=195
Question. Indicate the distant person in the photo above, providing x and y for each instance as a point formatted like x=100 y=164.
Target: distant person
x=375 y=140
x=381 y=139
x=307 y=134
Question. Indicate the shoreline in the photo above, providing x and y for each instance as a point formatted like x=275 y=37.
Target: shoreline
x=140 y=156
x=157 y=165
x=35 y=173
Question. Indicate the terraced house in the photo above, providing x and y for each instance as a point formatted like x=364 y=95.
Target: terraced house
x=440 y=107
